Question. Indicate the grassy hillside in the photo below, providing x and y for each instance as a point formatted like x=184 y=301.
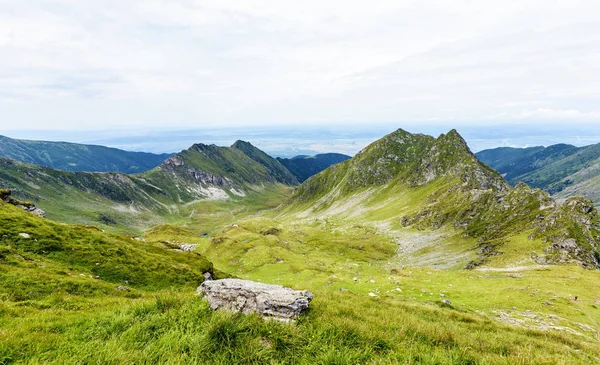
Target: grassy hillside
x=78 y=157
x=121 y=202
x=303 y=167
x=58 y=306
x=415 y=181
x=275 y=168
x=416 y=252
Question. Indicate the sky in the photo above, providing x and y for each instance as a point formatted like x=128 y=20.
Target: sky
x=115 y=65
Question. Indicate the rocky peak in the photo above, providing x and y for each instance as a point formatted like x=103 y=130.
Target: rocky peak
x=418 y=159
x=239 y=144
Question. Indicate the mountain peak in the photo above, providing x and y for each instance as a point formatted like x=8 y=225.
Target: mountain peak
x=453 y=138
x=418 y=159
x=275 y=168
x=411 y=159
x=241 y=144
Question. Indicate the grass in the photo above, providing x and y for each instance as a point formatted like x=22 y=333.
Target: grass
x=382 y=260
x=84 y=257
x=57 y=306
x=341 y=328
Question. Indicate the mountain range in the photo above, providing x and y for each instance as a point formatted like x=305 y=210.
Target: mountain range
x=563 y=170
x=78 y=157
x=416 y=251
x=202 y=172
x=407 y=180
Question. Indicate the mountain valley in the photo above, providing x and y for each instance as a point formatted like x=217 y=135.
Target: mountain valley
x=416 y=251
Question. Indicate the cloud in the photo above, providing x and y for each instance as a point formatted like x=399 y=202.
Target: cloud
x=109 y=63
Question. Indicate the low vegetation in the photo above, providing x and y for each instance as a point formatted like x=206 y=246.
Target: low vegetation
x=426 y=258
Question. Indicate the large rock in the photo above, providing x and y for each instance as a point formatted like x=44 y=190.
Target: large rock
x=245 y=296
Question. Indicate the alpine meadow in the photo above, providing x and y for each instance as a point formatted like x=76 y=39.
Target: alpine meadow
x=416 y=252
x=318 y=182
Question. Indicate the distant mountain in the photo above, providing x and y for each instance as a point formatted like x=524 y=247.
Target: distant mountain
x=513 y=163
x=275 y=168
x=202 y=172
x=303 y=167
x=413 y=181
x=562 y=170
x=79 y=157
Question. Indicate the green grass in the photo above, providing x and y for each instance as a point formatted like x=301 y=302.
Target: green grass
x=341 y=328
x=59 y=253
x=380 y=254
x=53 y=309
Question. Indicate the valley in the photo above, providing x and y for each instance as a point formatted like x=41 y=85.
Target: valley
x=415 y=250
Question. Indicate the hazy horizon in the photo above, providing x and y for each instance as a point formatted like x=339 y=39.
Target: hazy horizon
x=299 y=77
x=289 y=141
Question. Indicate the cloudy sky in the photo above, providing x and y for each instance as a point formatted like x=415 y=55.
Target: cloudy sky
x=192 y=64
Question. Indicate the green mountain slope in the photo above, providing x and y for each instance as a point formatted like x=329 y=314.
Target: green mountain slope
x=406 y=181
x=275 y=168
x=78 y=157
x=382 y=245
x=197 y=174
x=514 y=163
x=83 y=262
x=562 y=170
x=303 y=167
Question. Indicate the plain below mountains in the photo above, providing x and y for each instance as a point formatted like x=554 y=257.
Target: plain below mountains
x=563 y=170
x=79 y=157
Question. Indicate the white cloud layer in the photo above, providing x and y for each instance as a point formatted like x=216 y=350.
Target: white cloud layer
x=186 y=63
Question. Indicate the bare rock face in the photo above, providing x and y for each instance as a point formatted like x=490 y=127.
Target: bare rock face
x=245 y=296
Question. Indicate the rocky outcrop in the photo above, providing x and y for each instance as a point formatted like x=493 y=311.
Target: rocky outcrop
x=573 y=231
x=34 y=210
x=177 y=166
x=5 y=196
x=245 y=296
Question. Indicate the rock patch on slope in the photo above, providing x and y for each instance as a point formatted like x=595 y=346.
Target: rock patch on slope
x=5 y=195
